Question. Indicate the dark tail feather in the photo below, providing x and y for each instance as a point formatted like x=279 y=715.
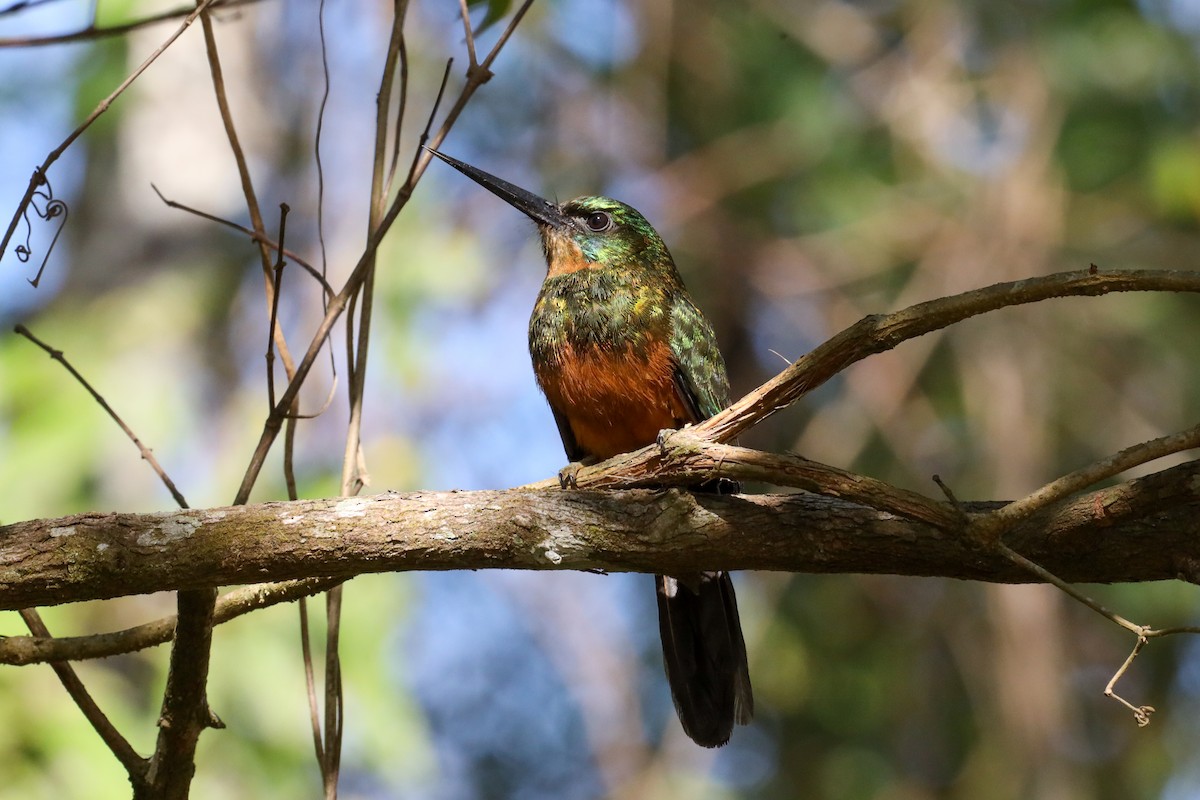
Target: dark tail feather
x=705 y=655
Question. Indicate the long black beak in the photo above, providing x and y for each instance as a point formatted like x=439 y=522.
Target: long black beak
x=538 y=209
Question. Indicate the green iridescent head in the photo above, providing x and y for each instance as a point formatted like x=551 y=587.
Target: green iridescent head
x=584 y=233
x=601 y=231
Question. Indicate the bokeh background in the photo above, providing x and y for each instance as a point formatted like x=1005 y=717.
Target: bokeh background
x=808 y=163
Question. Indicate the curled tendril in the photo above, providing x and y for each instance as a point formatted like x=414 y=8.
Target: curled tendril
x=47 y=207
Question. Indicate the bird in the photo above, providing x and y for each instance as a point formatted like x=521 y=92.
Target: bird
x=621 y=353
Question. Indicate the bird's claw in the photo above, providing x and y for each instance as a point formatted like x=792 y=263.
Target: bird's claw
x=678 y=439
x=568 y=476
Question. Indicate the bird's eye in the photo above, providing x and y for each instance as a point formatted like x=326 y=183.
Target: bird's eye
x=598 y=221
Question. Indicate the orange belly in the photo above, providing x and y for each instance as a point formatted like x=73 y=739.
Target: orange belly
x=615 y=401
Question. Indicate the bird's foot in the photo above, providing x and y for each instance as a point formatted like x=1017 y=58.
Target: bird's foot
x=568 y=476
x=663 y=440
x=679 y=440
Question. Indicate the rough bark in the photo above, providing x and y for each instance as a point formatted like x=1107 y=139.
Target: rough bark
x=1136 y=531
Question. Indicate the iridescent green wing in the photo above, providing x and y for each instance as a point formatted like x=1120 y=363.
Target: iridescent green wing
x=699 y=368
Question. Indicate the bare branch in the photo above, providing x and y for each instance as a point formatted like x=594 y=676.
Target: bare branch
x=147 y=453
x=992 y=525
x=880 y=333
x=1049 y=577
x=338 y=303
x=1141 y=714
x=39 y=174
x=134 y=764
x=19 y=650
x=92 y=32
x=870 y=335
x=255 y=237
x=683 y=458
x=185 y=713
x=465 y=13
x=277 y=285
x=92 y=556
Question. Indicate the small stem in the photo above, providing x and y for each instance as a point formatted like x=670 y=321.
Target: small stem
x=22 y=650
x=1049 y=577
x=1140 y=713
x=53 y=156
x=147 y=454
x=272 y=327
x=134 y=764
x=465 y=13
x=93 y=31
x=254 y=237
x=1004 y=518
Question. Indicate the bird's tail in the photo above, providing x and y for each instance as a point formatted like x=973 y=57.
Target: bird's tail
x=705 y=655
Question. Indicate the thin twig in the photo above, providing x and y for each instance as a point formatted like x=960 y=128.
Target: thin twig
x=317 y=275
x=289 y=460
x=40 y=172
x=317 y=136
x=477 y=75
x=993 y=524
x=272 y=326
x=338 y=303
x=146 y=453
x=134 y=764
x=21 y=650
x=383 y=165
x=1141 y=714
x=256 y=219
x=305 y=642
x=320 y=165
x=402 y=105
x=1049 y=577
x=334 y=700
x=1156 y=633
x=93 y=31
x=881 y=332
x=437 y=102
x=465 y=13
x=358 y=345
x=310 y=683
x=989 y=528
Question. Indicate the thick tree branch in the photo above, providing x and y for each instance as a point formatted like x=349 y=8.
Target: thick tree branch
x=185 y=713
x=683 y=458
x=1136 y=531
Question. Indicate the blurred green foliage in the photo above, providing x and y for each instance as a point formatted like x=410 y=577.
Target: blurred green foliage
x=808 y=163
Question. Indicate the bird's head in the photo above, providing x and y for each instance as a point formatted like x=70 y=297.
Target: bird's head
x=584 y=233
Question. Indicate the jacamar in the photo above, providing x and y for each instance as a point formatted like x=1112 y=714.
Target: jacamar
x=622 y=353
